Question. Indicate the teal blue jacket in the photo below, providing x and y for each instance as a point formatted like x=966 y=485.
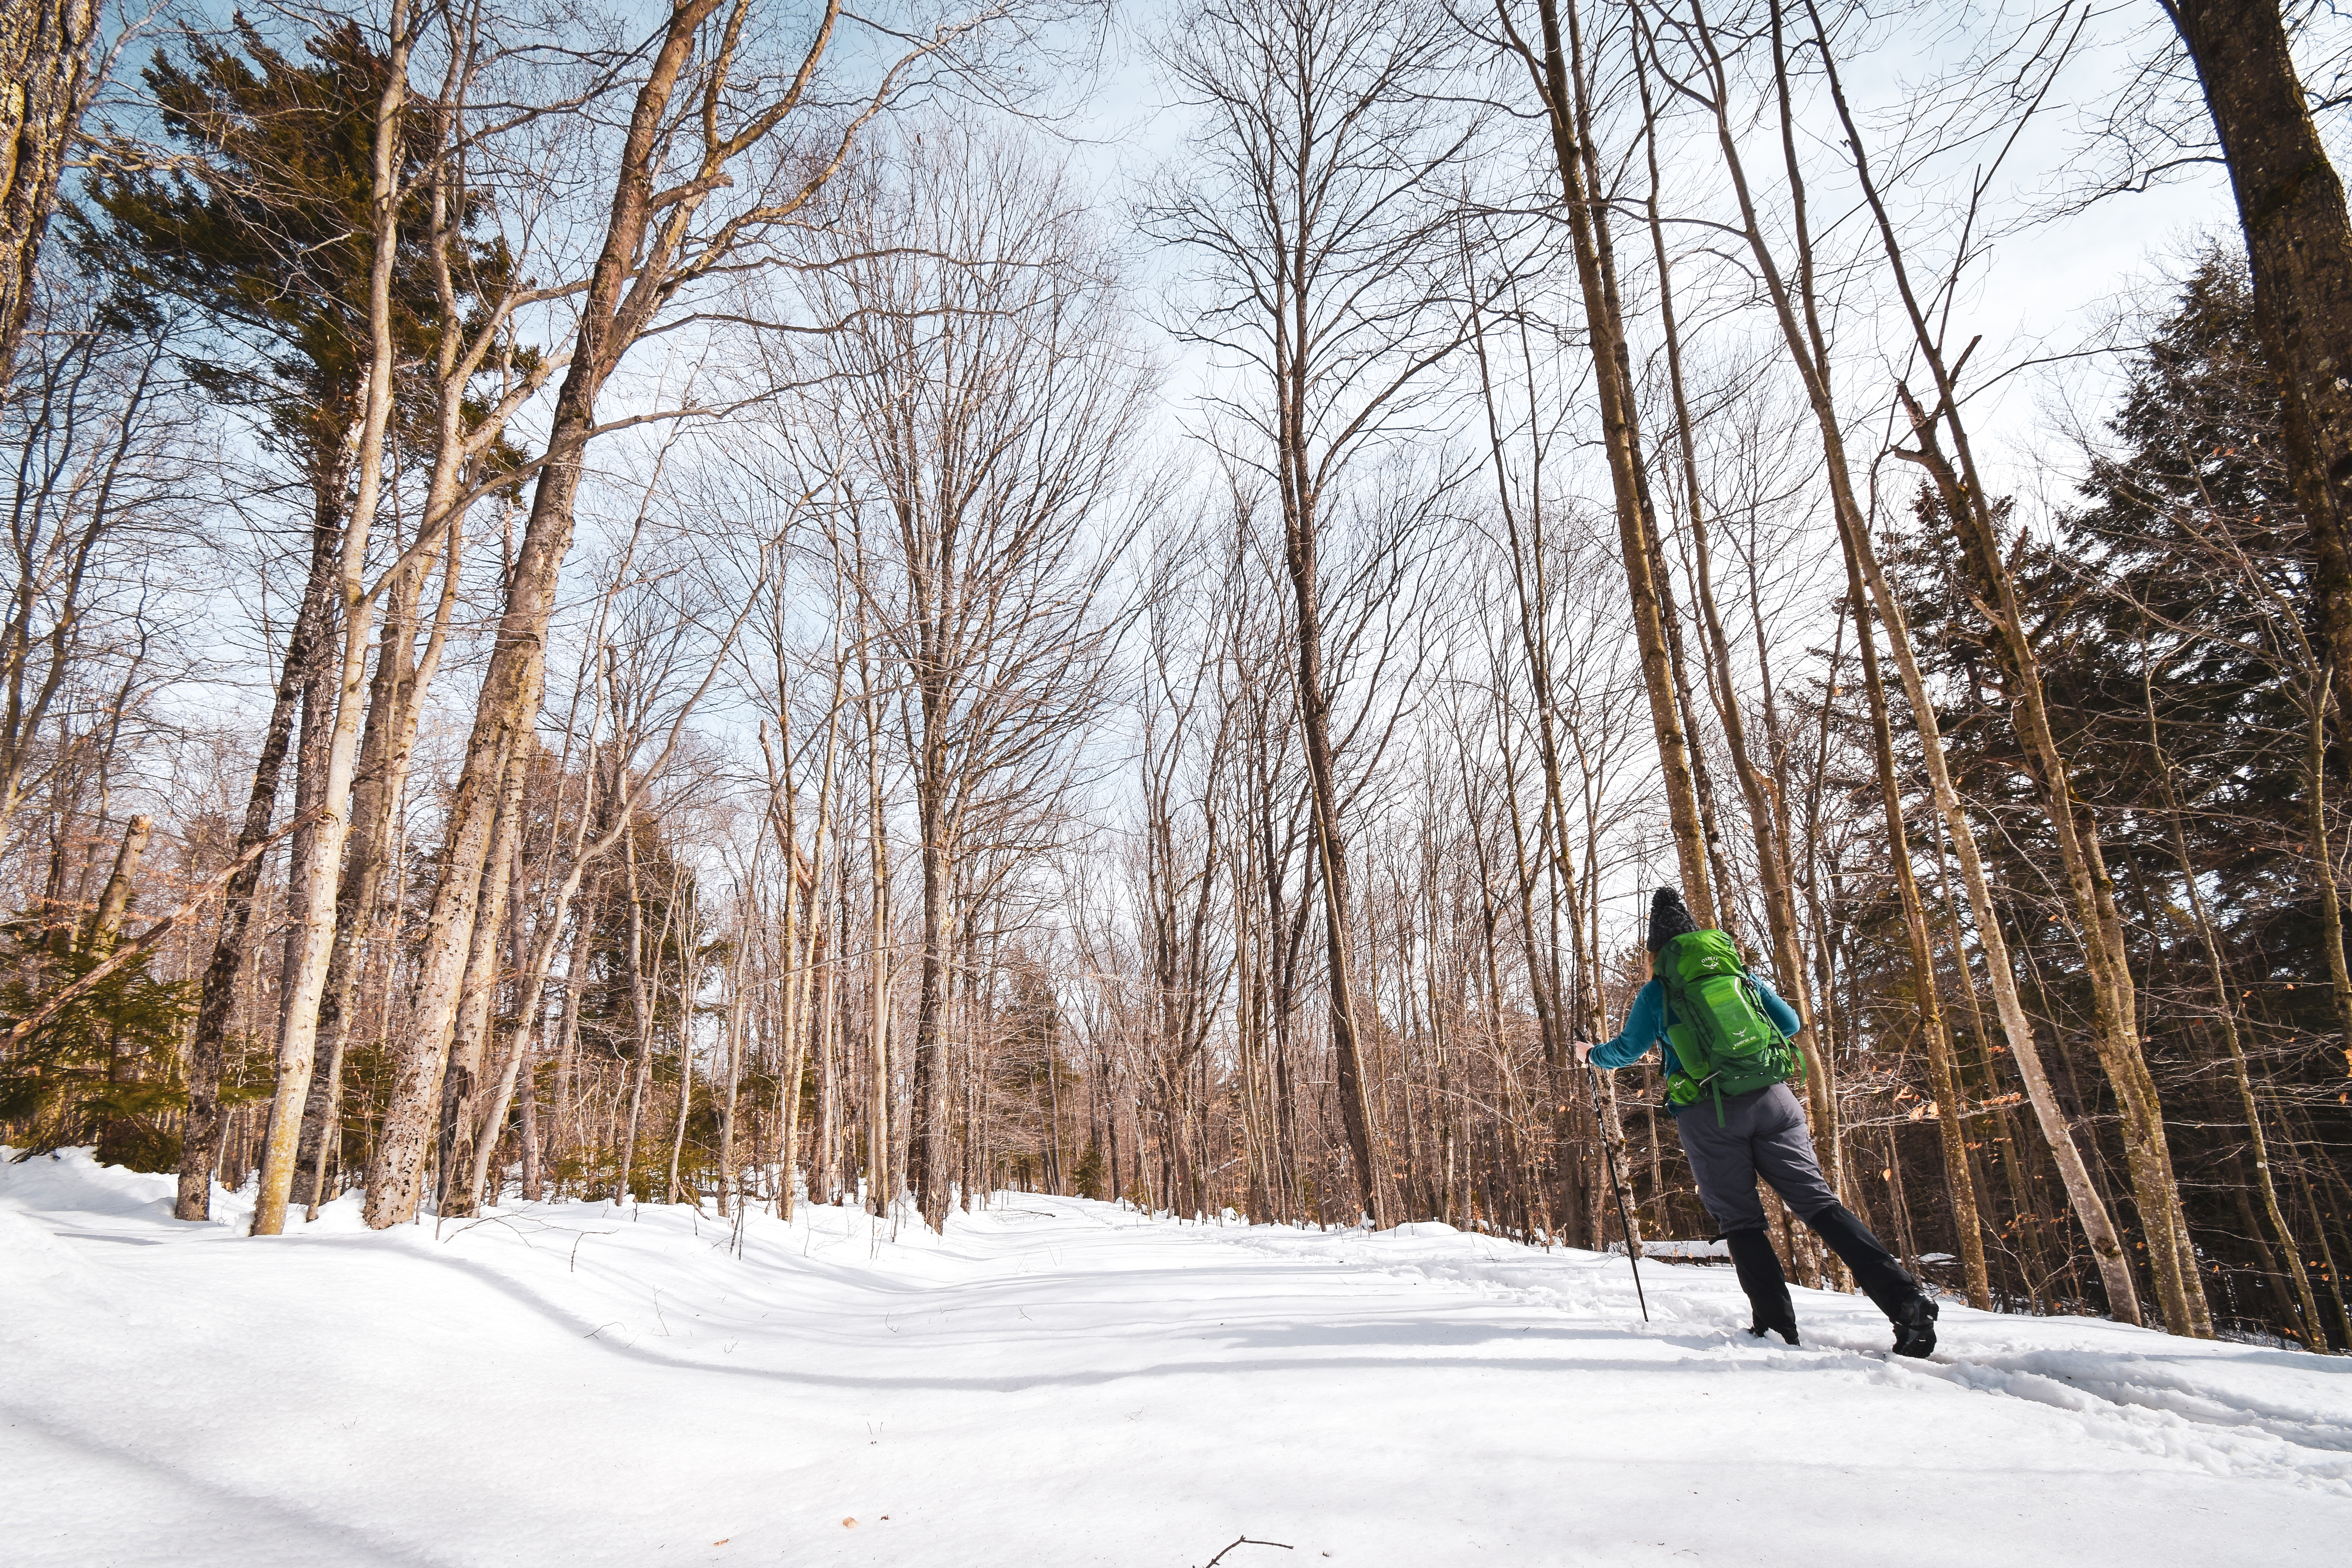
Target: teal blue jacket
x=1646 y=1021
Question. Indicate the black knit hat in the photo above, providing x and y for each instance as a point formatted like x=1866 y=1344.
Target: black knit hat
x=1669 y=918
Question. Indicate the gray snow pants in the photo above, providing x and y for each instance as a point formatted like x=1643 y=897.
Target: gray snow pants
x=1763 y=1133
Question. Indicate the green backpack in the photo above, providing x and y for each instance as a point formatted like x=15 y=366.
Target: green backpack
x=1725 y=1040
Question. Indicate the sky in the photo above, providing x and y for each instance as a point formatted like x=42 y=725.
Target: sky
x=2048 y=291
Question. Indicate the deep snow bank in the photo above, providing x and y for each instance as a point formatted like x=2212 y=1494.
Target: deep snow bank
x=1059 y=1382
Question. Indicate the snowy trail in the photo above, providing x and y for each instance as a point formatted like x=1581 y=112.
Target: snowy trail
x=1058 y=1382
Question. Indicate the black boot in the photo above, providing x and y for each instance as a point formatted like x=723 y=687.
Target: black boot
x=1767 y=1286
x=1914 y=1330
x=1882 y=1279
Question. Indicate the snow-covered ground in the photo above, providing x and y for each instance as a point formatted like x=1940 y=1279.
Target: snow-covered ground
x=1059 y=1382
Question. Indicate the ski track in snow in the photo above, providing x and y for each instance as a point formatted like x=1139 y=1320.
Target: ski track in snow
x=2144 y=1401
x=1064 y=1381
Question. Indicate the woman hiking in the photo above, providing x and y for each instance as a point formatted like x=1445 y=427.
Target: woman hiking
x=1722 y=1035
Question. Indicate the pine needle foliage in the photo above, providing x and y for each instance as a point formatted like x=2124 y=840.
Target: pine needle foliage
x=103 y=1070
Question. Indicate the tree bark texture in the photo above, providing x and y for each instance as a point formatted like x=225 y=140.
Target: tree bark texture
x=1796 y=307
x=386 y=749
x=332 y=698
x=114 y=902
x=612 y=315
x=105 y=926
x=927 y=1171
x=200 y=1144
x=1620 y=438
x=2323 y=863
x=1952 y=1131
x=469 y=1039
x=2114 y=1001
x=1332 y=847
x=45 y=77
x=2299 y=250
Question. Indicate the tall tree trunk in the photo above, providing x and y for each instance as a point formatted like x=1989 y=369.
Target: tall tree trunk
x=518 y=1062
x=1959 y=1182
x=685 y=1104
x=314 y=736
x=2322 y=862
x=881 y=1177
x=318 y=856
x=644 y=992
x=1300 y=522
x=470 y=1040
x=832 y=1088
x=114 y=901
x=2299 y=250
x=1769 y=829
x=1559 y=84
x=567 y=1052
x=200 y=1144
x=45 y=78
x=527 y=1055
x=1968 y=511
x=927 y=1163
x=795 y=1032
x=611 y=314
x=2116 y=1026
x=386 y=750
x=1796 y=307
x=804 y=932
x=832 y=1075
x=2025 y=1212
x=98 y=938
x=2315 y=1332
x=738 y=1029
x=2017 y=1029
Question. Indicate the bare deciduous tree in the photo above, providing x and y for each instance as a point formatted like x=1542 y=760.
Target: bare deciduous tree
x=1322 y=193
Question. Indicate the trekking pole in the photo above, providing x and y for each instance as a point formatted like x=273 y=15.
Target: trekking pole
x=1624 y=1226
